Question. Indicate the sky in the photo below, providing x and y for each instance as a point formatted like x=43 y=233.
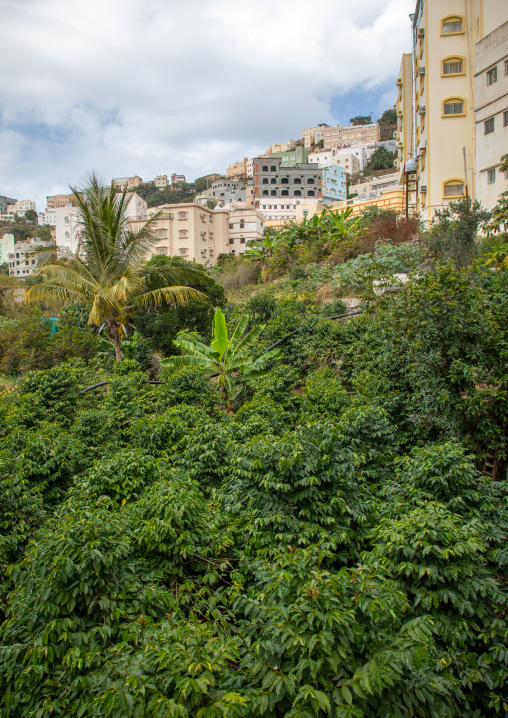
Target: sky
x=124 y=87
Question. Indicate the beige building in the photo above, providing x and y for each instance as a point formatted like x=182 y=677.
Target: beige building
x=244 y=225
x=344 y=158
x=491 y=114
x=404 y=108
x=161 y=181
x=127 y=182
x=447 y=120
x=238 y=170
x=21 y=206
x=353 y=134
x=61 y=200
x=391 y=199
x=190 y=230
x=313 y=135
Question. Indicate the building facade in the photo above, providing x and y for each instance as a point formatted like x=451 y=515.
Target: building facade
x=404 y=108
x=375 y=186
x=60 y=200
x=238 y=170
x=278 y=189
x=47 y=218
x=21 y=206
x=161 y=181
x=6 y=247
x=22 y=263
x=344 y=158
x=313 y=135
x=244 y=225
x=5 y=202
x=491 y=115
x=359 y=134
x=189 y=230
x=123 y=183
x=224 y=192
x=334 y=183
x=293 y=157
x=447 y=119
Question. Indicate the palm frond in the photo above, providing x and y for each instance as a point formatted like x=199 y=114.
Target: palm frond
x=169 y=295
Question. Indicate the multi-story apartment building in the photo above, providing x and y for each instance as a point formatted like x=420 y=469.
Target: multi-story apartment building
x=313 y=135
x=224 y=192
x=189 y=230
x=404 y=108
x=249 y=167
x=277 y=148
x=447 y=120
x=7 y=242
x=60 y=200
x=5 y=202
x=161 y=181
x=290 y=158
x=21 y=206
x=278 y=189
x=21 y=260
x=491 y=114
x=375 y=186
x=238 y=170
x=334 y=183
x=123 y=183
x=244 y=225
x=344 y=158
x=177 y=179
x=352 y=134
x=47 y=218
x=67 y=224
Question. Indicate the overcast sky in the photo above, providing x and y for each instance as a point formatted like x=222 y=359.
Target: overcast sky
x=151 y=87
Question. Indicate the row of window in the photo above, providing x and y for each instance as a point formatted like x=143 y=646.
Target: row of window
x=285 y=180
x=285 y=193
x=489 y=125
x=283 y=206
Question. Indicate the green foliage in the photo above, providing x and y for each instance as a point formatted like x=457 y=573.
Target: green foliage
x=260 y=307
x=381 y=159
x=455 y=232
x=361 y=120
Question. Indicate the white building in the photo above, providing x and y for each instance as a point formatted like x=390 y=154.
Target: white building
x=21 y=206
x=491 y=115
x=344 y=158
x=375 y=186
x=244 y=225
x=6 y=247
x=67 y=223
x=47 y=218
x=21 y=261
x=277 y=210
x=249 y=168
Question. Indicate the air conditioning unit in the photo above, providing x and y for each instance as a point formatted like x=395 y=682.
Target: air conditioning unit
x=421 y=71
x=399 y=113
x=421 y=32
x=399 y=81
x=423 y=189
x=421 y=109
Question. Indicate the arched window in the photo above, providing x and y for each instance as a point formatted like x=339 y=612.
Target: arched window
x=310 y=193
x=298 y=193
x=284 y=180
x=453 y=188
x=297 y=180
x=265 y=193
x=453 y=106
x=274 y=193
x=310 y=181
x=285 y=193
x=264 y=168
x=453 y=66
x=273 y=168
x=451 y=25
x=265 y=180
x=67 y=235
x=273 y=180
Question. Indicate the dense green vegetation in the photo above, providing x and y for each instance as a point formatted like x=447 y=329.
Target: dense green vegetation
x=322 y=541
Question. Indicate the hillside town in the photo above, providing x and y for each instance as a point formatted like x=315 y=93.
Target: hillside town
x=442 y=140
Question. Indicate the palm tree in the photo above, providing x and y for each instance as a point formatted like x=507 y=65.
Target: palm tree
x=108 y=273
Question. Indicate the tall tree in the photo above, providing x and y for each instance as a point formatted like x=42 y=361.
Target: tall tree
x=107 y=273
x=361 y=120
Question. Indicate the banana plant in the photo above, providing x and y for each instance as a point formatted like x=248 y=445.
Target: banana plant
x=228 y=359
x=259 y=250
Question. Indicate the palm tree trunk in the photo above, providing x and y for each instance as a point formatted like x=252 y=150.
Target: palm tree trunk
x=118 y=346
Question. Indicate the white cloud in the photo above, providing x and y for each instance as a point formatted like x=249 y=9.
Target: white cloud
x=125 y=87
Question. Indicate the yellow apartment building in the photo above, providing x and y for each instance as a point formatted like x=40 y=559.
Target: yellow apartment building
x=123 y=183
x=353 y=134
x=404 y=107
x=189 y=230
x=442 y=93
x=238 y=170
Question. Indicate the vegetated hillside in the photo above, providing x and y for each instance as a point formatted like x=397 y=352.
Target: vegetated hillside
x=329 y=548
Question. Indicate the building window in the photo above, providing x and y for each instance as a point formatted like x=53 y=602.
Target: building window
x=184 y=250
x=161 y=250
x=492 y=76
x=230 y=227
x=273 y=168
x=491 y=177
x=310 y=181
x=161 y=233
x=284 y=180
x=274 y=193
x=67 y=235
x=183 y=233
x=265 y=168
x=505 y=118
x=297 y=180
x=298 y=193
x=231 y=240
x=242 y=240
x=453 y=107
x=265 y=180
x=310 y=193
x=451 y=25
x=242 y=224
x=453 y=188
x=285 y=193
x=66 y=220
x=273 y=180
x=265 y=193
x=452 y=66
x=488 y=126
x=182 y=215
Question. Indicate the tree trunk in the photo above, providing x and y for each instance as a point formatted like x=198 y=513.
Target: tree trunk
x=118 y=346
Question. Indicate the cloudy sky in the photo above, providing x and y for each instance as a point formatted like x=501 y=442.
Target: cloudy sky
x=152 y=87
